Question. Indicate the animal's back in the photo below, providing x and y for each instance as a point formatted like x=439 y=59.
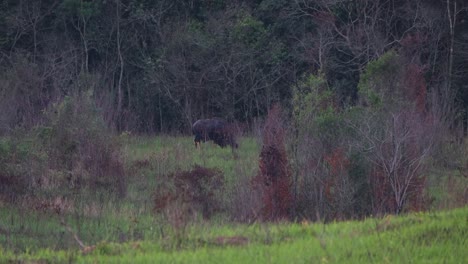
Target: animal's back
x=199 y=126
x=216 y=129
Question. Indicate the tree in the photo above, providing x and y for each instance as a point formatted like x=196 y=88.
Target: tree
x=395 y=130
x=274 y=177
x=323 y=186
x=398 y=145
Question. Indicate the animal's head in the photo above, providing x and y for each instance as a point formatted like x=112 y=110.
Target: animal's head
x=197 y=140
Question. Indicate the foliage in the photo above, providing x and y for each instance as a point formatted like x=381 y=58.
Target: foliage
x=80 y=145
x=374 y=81
x=250 y=31
x=22 y=94
x=323 y=186
x=72 y=151
x=310 y=95
x=315 y=110
x=80 y=8
x=22 y=163
x=160 y=65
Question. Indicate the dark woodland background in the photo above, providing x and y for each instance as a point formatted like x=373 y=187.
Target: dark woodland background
x=156 y=66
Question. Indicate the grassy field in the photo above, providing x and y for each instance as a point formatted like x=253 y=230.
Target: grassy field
x=439 y=237
x=128 y=231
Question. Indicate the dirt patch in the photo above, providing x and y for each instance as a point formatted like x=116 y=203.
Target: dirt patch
x=231 y=241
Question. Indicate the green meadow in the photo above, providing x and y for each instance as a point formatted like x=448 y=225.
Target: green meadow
x=431 y=237
x=128 y=230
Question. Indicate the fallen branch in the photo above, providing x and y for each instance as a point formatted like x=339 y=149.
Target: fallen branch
x=84 y=249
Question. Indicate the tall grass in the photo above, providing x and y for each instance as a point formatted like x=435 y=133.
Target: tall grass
x=151 y=158
x=99 y=216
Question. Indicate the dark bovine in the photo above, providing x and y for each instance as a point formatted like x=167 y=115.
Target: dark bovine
x=216 y=129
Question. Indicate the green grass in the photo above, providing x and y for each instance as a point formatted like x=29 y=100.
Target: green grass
x=154 y=157
x=168 y=154
x=431 y=237
x=101 y=217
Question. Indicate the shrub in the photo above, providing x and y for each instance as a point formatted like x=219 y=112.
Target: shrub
x=323 y=186
x=22 y=165
x=195 y=191
x=80 y=145
x=274 y=179
x=70 y=151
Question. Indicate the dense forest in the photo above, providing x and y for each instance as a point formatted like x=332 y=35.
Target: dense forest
x=359 y=107
x=156 y=66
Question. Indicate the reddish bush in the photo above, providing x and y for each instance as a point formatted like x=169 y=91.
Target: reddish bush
x=338 y=165
x=194 y=190
x=416 y=86
x=274 y=177
x=382 y=194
